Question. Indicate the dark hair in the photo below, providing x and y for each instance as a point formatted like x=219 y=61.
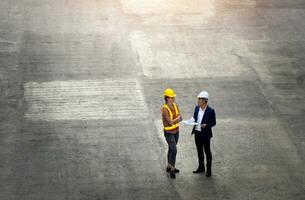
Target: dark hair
x=165 y=98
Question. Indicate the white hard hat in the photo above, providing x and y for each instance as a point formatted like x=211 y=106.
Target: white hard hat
x=203 y=94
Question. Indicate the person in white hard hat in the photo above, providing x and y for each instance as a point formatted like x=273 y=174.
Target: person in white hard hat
x=205 y=116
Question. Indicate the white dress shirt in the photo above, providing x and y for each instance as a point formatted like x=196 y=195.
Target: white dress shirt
x=199 y=118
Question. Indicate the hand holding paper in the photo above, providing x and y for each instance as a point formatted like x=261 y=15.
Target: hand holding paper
x=190 y=122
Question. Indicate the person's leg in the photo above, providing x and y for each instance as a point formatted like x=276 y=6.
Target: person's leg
x=208 y=153
x=176 y=137
x=168 y=158
x=171 y=141
x=168 y=153
x=199 y=146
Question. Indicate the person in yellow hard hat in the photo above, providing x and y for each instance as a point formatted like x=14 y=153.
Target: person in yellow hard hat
x=171 y=117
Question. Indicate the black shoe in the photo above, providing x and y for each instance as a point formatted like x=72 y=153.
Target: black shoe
x=173 y=174
x=208 y=174
x=199 y=170
x=168 y=169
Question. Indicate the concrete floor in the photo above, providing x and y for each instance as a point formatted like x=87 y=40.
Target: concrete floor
x=81 y=85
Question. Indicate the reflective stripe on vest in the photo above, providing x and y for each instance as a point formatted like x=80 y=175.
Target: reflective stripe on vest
x=172 y=127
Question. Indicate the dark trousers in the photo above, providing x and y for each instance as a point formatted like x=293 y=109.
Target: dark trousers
x=172 y=140
x=203 y=144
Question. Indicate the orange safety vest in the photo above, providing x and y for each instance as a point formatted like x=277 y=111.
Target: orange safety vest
x=172 y=127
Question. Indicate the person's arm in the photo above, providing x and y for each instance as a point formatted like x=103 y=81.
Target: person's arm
x=212 y=120
x=166 y=116
x=178 y=118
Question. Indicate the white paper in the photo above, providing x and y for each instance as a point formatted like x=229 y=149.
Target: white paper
x=190 y=122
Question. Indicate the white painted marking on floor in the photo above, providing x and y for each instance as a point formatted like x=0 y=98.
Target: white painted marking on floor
x=164 y=55
x=7 y=46
x=84 y=100
x=251 y=3
x=159 y=126
x=141 y=7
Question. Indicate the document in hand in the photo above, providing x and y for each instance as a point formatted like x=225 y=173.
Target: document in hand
x=190 y=122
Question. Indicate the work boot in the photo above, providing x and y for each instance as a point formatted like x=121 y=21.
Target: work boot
x=168 y=169
x=199 y=170
x=209 y=173
x=172 y=174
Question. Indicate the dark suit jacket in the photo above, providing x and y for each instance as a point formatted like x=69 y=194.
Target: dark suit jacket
x=208 y=118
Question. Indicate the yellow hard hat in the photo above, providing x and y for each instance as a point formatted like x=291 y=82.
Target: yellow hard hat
x=169 y=92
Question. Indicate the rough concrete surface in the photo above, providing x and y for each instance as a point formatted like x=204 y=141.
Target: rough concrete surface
x=81 y=85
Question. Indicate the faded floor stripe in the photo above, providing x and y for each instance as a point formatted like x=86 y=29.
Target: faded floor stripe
x=84 y=100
